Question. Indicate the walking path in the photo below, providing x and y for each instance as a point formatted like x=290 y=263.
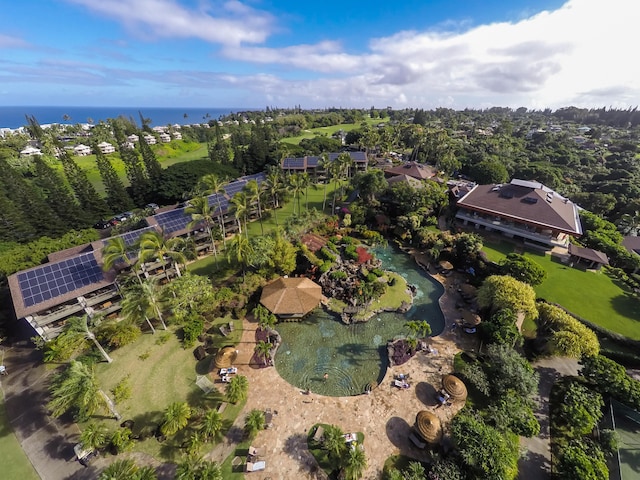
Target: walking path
x=536 y=464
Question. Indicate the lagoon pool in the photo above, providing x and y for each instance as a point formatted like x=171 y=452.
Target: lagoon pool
x=354 y=356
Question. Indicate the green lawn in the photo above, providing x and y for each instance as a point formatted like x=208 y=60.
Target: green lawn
x=328 y=131
x=14 y=461
x=593 y=296
x=160 y=374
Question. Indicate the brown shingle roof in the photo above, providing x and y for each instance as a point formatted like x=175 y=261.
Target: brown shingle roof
x=414 y=182
x=291 y=296
x=412 y=169
x=313 y=242
x=588 y=254
x=632 y=244
x=525 y=202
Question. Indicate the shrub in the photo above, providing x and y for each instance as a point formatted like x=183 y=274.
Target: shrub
x=370 y=278
x=326 y=266
x=327 y=255
x=351 y=253
x=122 y=391
x=192 y=330
x=338 y=275
x=377 y=272
x=118 y=334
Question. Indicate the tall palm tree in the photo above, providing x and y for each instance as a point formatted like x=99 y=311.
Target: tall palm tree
x=296 y=184
x=240 y=251
x=306 y=181
x=263 y=350
x=194 y=467
x=175 y=418
x=274 y=186
x=154 y=246
x=76 y=388
x=323 y=164
x=201 y=212
x=76 y=328
x=355 y=463
x=253 y=196
x=211 y=424
x=334 y=170
x=94 y=436
x=210 y=470
x=215 y=185
x=240 y=204
x=120 y=470
x=117 y=251
x=346 y=163
x=144 y=302
x=237 y=388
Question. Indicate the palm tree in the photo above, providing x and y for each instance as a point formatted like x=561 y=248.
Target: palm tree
x=194 y=467
x=419 y=328
x=629 y=224
x=210 y=470
x=334 y=170
x=306 y=181
x=94 y=436
x=76 y=388
x=345 y=163
x=263 y=350
x=175 y=418
x=117 y=251
x=274 y=186
x=253 y=196
x=265 y=318
x=121 y=440
x=355 y=463
x=237 y=389
x=334 y=442
x=193 y=443
x=296 y=184
x=120 y=470
x=211 y=424
x=76 y=328
x=241 y=209
x=324 y=165
x=240 y=251
x=201 y=212
x=215 y=185
x=253 y=423
x=144 y=302
x=153 y=245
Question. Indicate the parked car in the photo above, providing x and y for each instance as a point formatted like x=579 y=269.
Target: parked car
x=84 y=455
x=102 y=224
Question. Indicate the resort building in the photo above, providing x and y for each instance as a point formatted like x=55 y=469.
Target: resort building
x=177 y=135
x=164 y=137
x=30 y=151
x=73 y=281
x=133 y=138
x=106 y=147
x=291 y=298
x=313 y=165
x=418 y=171
x=150 y=139
x=81 y=150
x=523 y=210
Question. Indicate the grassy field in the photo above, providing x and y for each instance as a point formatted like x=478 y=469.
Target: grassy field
x=593 y=296
x=165 y=156
x=159 y=374
x=328 y=131
x=15 y=464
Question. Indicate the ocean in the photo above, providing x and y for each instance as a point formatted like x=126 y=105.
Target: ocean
x=15 y=117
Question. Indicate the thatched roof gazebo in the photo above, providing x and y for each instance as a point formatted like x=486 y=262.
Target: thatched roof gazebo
x=428 y=426
x=225 y=357
x=454 y=387
x=291 y=297
x=446 y=265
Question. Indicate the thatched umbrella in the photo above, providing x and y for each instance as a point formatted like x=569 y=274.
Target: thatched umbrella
x=454 y=387
x=225 y=357
x=428 y=426
x=471 y=319
x=445 y=265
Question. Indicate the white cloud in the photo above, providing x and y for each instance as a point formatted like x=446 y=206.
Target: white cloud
x=229 y=22
x=7 y=41
x=580 y=53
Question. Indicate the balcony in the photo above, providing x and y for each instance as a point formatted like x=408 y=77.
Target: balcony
x=511 y=229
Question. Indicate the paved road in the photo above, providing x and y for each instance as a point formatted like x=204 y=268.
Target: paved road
x=536 y=464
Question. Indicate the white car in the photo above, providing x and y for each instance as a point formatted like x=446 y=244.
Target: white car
x=83 y=455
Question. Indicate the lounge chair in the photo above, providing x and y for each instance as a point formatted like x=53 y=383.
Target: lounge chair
x=319 y=435
x=256 y=466
x=401 y=384
x=224 y=330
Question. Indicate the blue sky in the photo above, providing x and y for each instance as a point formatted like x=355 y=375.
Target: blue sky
x=350 y=53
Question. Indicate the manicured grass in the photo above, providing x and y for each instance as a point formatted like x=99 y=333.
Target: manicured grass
x=229 y=472
x=594 y=296
x=328 y=131
x=391 y=299
x=15 y=463
x=160 y=374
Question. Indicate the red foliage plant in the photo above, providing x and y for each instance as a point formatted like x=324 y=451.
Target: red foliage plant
x=363 y=255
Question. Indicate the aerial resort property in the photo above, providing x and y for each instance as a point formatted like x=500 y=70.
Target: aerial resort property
x=343 y=308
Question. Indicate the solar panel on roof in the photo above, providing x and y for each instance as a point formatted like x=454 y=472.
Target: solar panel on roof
x=173 y=220
x=132 y=237
x=53 y=280
x=312 y=161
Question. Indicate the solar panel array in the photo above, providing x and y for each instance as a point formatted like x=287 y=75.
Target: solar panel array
x=130 y=238
x=56 y=279
x=173 y=220
x=234 y=187
x=258 y=177
x=358 y=156
x=293 y=162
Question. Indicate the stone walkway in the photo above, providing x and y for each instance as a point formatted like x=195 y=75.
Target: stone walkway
x=536 y=464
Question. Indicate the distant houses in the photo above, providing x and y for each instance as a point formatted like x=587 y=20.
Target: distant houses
x=313 y=166
x=106 y=147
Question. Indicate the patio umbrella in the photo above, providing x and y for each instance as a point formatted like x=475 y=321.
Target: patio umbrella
x=454 y=387
x=225 y=357
x=428 y=426
x=470 y=318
